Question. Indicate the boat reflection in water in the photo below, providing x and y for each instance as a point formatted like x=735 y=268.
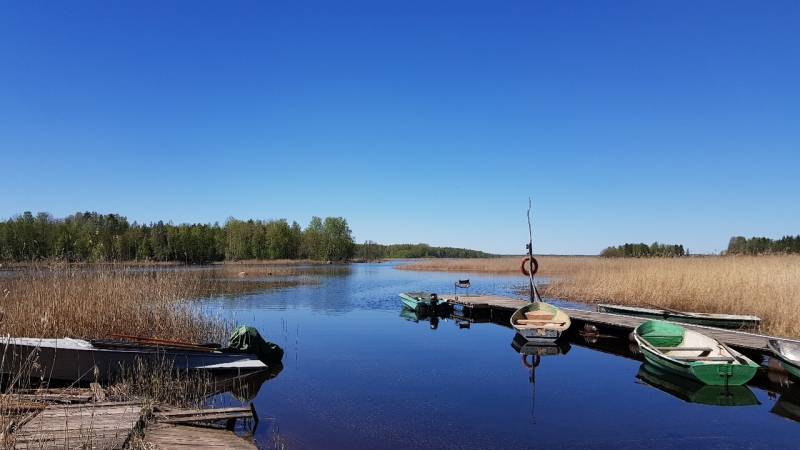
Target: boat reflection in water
x=425 y=316
x=531 y=355
x=693 y=392
x=788 y=405
x=244 y=387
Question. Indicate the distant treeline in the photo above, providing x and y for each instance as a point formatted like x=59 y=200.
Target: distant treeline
x=371 y=251
x=740 y=245
x=90 y=236
x=643 y=250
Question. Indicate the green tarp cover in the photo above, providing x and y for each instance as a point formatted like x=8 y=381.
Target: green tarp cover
x=247 y=340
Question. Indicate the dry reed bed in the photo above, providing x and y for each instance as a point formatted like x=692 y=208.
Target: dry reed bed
x=58 y=301
x=767 y=286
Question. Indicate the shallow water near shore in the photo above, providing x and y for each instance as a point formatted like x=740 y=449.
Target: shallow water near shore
x=361 y=373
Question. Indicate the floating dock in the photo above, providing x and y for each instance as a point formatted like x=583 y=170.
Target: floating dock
x=499 y=308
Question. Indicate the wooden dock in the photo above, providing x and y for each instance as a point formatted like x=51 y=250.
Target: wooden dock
x=198 y=429
x=168 y=436
x=42 y=419
x=504 y=306
x=92 y=425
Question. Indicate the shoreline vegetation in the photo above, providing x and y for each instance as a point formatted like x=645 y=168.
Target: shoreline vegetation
x=767 y=286
x=90 y=301
x=372 y=251
x=92 y=237
x=89 y=237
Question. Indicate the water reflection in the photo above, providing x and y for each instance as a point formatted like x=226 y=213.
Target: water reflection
x=531 y=357
x=432 y=317
x=693 y=392
x=788 y=405
x=245 y=388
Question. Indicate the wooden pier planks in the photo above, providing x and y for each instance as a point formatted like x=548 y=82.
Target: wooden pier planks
x=169 y=436
x=89 y=426
x=176 y=416
x=739 y=339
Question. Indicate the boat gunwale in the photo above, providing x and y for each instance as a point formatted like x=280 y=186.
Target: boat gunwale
x=775 y=350
x=159 y=351
x=688 y=314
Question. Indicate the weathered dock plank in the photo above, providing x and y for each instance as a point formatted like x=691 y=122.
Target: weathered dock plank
x=735 y=338
x=168 y=436
x=89 y=426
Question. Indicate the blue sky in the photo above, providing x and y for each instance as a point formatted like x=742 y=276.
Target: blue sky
x=416 y=120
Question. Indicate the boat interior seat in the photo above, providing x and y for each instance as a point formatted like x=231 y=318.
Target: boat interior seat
x=534 y=323
x=539 y=315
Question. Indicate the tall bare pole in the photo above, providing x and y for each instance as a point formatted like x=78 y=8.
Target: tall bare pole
x=534 y=292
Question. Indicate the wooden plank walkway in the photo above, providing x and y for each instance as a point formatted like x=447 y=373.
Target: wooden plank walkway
x=89 y=426
x=167 y=436
x=739 y=339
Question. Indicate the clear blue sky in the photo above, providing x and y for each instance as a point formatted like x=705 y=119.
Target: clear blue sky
x=416 y=120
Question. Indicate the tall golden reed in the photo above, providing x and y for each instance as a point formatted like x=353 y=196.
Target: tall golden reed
x=59 y=301
x=767 y=286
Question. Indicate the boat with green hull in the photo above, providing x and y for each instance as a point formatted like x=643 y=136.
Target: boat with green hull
x=788 y=353
x=729 y=321
x=423 y=301
x=693 y=355
x=692 y=391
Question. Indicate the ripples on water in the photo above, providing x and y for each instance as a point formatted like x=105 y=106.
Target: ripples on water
x=361 y=373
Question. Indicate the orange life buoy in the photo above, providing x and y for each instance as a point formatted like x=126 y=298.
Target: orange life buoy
x=525 y=268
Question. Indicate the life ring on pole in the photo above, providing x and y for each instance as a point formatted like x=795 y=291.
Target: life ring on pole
x=524 y=265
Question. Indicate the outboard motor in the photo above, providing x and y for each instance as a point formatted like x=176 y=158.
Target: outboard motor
x=434 y=299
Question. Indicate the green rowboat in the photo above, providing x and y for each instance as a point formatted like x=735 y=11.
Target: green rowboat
x=423 y=301
x=691 y=391
x=789 y=355
x=729 y=321
x=693 y=355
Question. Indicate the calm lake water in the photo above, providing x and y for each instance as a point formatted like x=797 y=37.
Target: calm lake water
x=359 y=374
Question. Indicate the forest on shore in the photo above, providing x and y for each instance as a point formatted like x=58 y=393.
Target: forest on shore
x=643 y=250
x=370 y=251
x=92 y=237
x=739 y=245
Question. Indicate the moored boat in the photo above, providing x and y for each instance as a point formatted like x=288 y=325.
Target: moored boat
x=106 y=359
x=789 y=355
x=423 y=301
x=730 y=321
x=693 y=355
x=540 y=322
x=694 y=392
